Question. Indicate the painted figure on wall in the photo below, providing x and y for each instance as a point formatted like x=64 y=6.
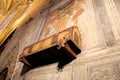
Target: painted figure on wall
x=63 y=18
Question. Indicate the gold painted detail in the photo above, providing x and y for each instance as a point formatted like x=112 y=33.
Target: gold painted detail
x=14 y=13
x=61 y=39
x=8 y=6
x=76 y=36
x=36 y=47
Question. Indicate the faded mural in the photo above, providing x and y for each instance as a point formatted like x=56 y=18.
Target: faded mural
x=63 y=18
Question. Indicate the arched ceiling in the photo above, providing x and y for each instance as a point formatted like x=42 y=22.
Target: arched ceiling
x=14 y=13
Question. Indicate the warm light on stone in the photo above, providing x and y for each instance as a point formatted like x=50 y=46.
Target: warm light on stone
x=20 y=17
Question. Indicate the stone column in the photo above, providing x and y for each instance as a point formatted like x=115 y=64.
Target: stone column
x=90 y=28
x=102 y=15
x=113 y=10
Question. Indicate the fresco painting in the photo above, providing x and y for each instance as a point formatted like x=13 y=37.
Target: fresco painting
x=63 y=18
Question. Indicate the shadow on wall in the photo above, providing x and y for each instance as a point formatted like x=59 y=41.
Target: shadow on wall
x=25 y=69
x=51 y=55
x=62 y=59
x=3 y=74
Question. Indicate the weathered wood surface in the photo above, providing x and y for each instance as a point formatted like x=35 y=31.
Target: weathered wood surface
x=48 y=48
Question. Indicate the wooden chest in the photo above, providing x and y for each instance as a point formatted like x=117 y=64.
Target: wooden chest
x=62 y=46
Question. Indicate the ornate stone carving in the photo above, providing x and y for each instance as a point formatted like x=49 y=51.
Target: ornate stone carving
x=109 y=71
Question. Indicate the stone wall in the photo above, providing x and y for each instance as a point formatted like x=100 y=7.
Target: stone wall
x=99 y=26
x=23 y=36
